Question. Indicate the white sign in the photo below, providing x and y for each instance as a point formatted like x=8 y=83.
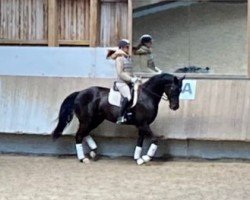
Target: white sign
x=188 y=90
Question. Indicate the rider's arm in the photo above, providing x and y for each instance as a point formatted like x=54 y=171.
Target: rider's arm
x=151 y=64
x=119 y=67
x=140 y=52
x=143 y=51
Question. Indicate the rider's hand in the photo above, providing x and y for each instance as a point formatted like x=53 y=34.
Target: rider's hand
x=134 y=79
x=158 y=70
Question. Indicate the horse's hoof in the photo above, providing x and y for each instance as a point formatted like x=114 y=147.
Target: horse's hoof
x=86 y=161
x=140 y=161
x=94 y=156
x=146 y=158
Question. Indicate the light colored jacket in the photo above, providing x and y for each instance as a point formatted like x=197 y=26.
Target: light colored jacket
x=123 y=65
x=143 y=60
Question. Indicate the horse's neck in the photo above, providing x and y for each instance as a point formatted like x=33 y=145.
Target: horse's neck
x=155 y=91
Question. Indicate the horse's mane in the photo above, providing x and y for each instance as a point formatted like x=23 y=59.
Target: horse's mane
x=160 y=77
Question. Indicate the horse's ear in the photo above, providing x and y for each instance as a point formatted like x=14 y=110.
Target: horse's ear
x=182 y=78
x=176 y=80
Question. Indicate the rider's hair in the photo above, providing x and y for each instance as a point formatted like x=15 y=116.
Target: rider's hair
x=144 y=39
x=122 y=43
x=110 y=53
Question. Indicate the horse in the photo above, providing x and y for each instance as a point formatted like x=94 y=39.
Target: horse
x=91 y=107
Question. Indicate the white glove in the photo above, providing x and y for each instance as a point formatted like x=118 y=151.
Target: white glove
x=158 y=70
x=134 y=79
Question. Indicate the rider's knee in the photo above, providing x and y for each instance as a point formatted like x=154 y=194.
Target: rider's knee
x=129 y=97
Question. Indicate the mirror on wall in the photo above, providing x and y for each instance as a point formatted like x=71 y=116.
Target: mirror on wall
x=205 y=37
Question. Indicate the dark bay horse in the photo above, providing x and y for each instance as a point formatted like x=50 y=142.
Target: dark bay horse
x=91 y=107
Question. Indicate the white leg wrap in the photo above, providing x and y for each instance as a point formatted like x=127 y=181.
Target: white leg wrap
x=140 y=161
x=146 y=158
x=90 y=141
x=79 y=151
x=137 y=153
x=152 y=149
x=92 y=154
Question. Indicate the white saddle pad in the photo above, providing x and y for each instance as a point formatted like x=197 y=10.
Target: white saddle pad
x=114 y=97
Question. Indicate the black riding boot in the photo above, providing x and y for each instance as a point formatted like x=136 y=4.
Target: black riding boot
x=124 y=106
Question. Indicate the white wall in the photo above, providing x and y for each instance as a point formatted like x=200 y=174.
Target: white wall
x=54 y=61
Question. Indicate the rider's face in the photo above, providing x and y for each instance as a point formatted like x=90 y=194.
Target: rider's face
x=126 y=49
x=149 y=44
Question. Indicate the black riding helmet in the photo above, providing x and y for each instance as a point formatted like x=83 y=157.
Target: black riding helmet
x=123 y=43
x=146 y=39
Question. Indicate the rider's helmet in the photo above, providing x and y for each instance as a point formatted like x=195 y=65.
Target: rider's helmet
x=123 y=43
x=146 y=39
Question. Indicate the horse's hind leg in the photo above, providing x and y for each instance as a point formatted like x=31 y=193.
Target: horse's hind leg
x=79 y=147
x=92 y=145
x=90 y=141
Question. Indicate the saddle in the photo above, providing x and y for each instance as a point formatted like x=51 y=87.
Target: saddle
x=115 y=98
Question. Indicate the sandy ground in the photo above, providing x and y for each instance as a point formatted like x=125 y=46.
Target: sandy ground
x=28 y=177
x=204 y=34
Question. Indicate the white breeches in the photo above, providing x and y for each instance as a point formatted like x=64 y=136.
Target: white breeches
x=124 y=90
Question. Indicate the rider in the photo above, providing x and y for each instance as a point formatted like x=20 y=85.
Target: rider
x=125 y=76
x=145 y=56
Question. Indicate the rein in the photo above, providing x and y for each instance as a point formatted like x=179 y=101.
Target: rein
x=163 y=97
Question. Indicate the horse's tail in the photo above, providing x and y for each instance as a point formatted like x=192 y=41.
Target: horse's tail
x=65 y=115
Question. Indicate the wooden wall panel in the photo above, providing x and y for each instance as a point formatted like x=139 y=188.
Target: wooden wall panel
x=23 y=20
x=94 y=22
x=114 y=22
x=52 y=23
x=248 y=37
x=27 y=21
x=73 y=20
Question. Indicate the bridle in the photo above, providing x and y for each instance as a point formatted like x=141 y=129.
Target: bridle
x=163 y=97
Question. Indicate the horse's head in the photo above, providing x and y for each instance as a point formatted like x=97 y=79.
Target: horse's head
x=173 y=91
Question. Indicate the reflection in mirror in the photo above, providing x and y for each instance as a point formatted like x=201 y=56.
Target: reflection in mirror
x=204 y=37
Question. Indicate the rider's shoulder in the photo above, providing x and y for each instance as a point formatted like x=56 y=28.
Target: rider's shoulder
x=118 y=54
x=143 y=50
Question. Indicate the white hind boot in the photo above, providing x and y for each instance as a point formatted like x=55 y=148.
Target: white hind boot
x=92 y=145
x=80 y=154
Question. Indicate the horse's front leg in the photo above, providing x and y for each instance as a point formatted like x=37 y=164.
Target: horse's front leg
x=138 y=148
x=151 y=151
x=153 y=146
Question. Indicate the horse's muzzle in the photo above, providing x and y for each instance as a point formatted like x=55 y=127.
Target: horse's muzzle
x=174 y=107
